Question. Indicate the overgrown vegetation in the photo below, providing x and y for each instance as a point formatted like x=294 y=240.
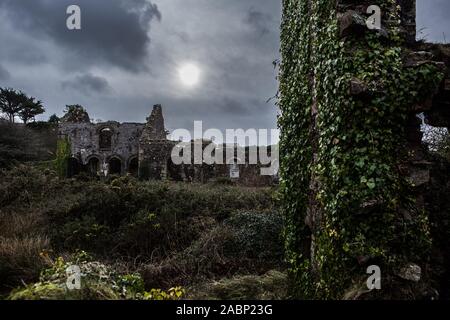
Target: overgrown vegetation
x=166 y=234
x=269 y=286
x=26 y=143
x=75 y=113
x=99 y=282
x=63 y=153
x=355 y=140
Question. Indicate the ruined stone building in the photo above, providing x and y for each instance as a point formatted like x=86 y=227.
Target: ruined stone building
x=143 y=150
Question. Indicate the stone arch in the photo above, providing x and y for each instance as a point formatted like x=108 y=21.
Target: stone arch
x=175 y=172
x=133 y=166
x=93 y=164
x=115 y=165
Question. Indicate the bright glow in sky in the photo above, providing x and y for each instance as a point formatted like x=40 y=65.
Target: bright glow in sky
x=189 y=74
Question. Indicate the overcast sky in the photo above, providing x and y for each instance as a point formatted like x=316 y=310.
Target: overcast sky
x=127 y=55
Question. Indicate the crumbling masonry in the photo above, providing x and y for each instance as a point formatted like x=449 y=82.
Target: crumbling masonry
x=144 y=151
x=359 y=187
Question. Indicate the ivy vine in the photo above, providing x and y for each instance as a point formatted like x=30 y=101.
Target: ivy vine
x=63 y=154
x=340 y=152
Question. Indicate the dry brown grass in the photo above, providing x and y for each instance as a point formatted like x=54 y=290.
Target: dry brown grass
x=20 y=259
x=17 y=224
x=21 y=243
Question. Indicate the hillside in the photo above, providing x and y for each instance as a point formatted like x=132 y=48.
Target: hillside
x=214 y=241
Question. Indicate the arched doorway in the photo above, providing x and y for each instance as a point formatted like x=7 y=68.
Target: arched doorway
x=93 y=166
x=115 y=166
x=73 y=167
x=133 y=166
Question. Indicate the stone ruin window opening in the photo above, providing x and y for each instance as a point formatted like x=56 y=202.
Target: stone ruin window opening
x=133 y=166
x=105 y=142
x=94 y=166
x=115 y=166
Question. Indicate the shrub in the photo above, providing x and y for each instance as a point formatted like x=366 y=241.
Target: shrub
x=98 y=282
x=248 y=242
x=139 y=218
x=257 y=235
x=224 y=181
x=172 y=233
x=16 y=144
x=270 y=286
x=19 y=143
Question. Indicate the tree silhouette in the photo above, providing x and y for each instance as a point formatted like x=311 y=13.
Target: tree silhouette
x=75 y=113
x=15 y=103
x=30 y=109
x=11 y=102
x=54 y=119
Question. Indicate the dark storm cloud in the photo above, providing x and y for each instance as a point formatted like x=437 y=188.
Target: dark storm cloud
x=243 y=107
x=87 y=84
x=232 y=106
x=113 y=31
x=4 y=74
x=258 y=20
x=32 y=56
x=233 y=43
x=123 y=60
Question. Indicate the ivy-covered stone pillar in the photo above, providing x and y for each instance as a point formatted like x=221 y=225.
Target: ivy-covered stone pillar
x=154 y=148
x=347 y=97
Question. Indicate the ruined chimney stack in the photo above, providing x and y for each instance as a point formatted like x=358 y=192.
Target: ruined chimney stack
x=155 y=128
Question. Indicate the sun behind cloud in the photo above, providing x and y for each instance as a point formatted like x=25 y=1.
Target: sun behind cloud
x=189 y=74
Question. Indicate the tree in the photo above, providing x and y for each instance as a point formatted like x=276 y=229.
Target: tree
x=30 y=109
x=11 y=102
x=54 y=119
x=75 y=113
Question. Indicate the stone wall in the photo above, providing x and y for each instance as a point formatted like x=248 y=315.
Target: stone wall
x=354 y=171
x=154 y=147
x=85 y=142
x=144 y=150
x=234 y=166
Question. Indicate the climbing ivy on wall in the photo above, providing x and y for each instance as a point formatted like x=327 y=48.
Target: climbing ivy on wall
x=340 y=153
x=63 y=153
x=294 y=122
